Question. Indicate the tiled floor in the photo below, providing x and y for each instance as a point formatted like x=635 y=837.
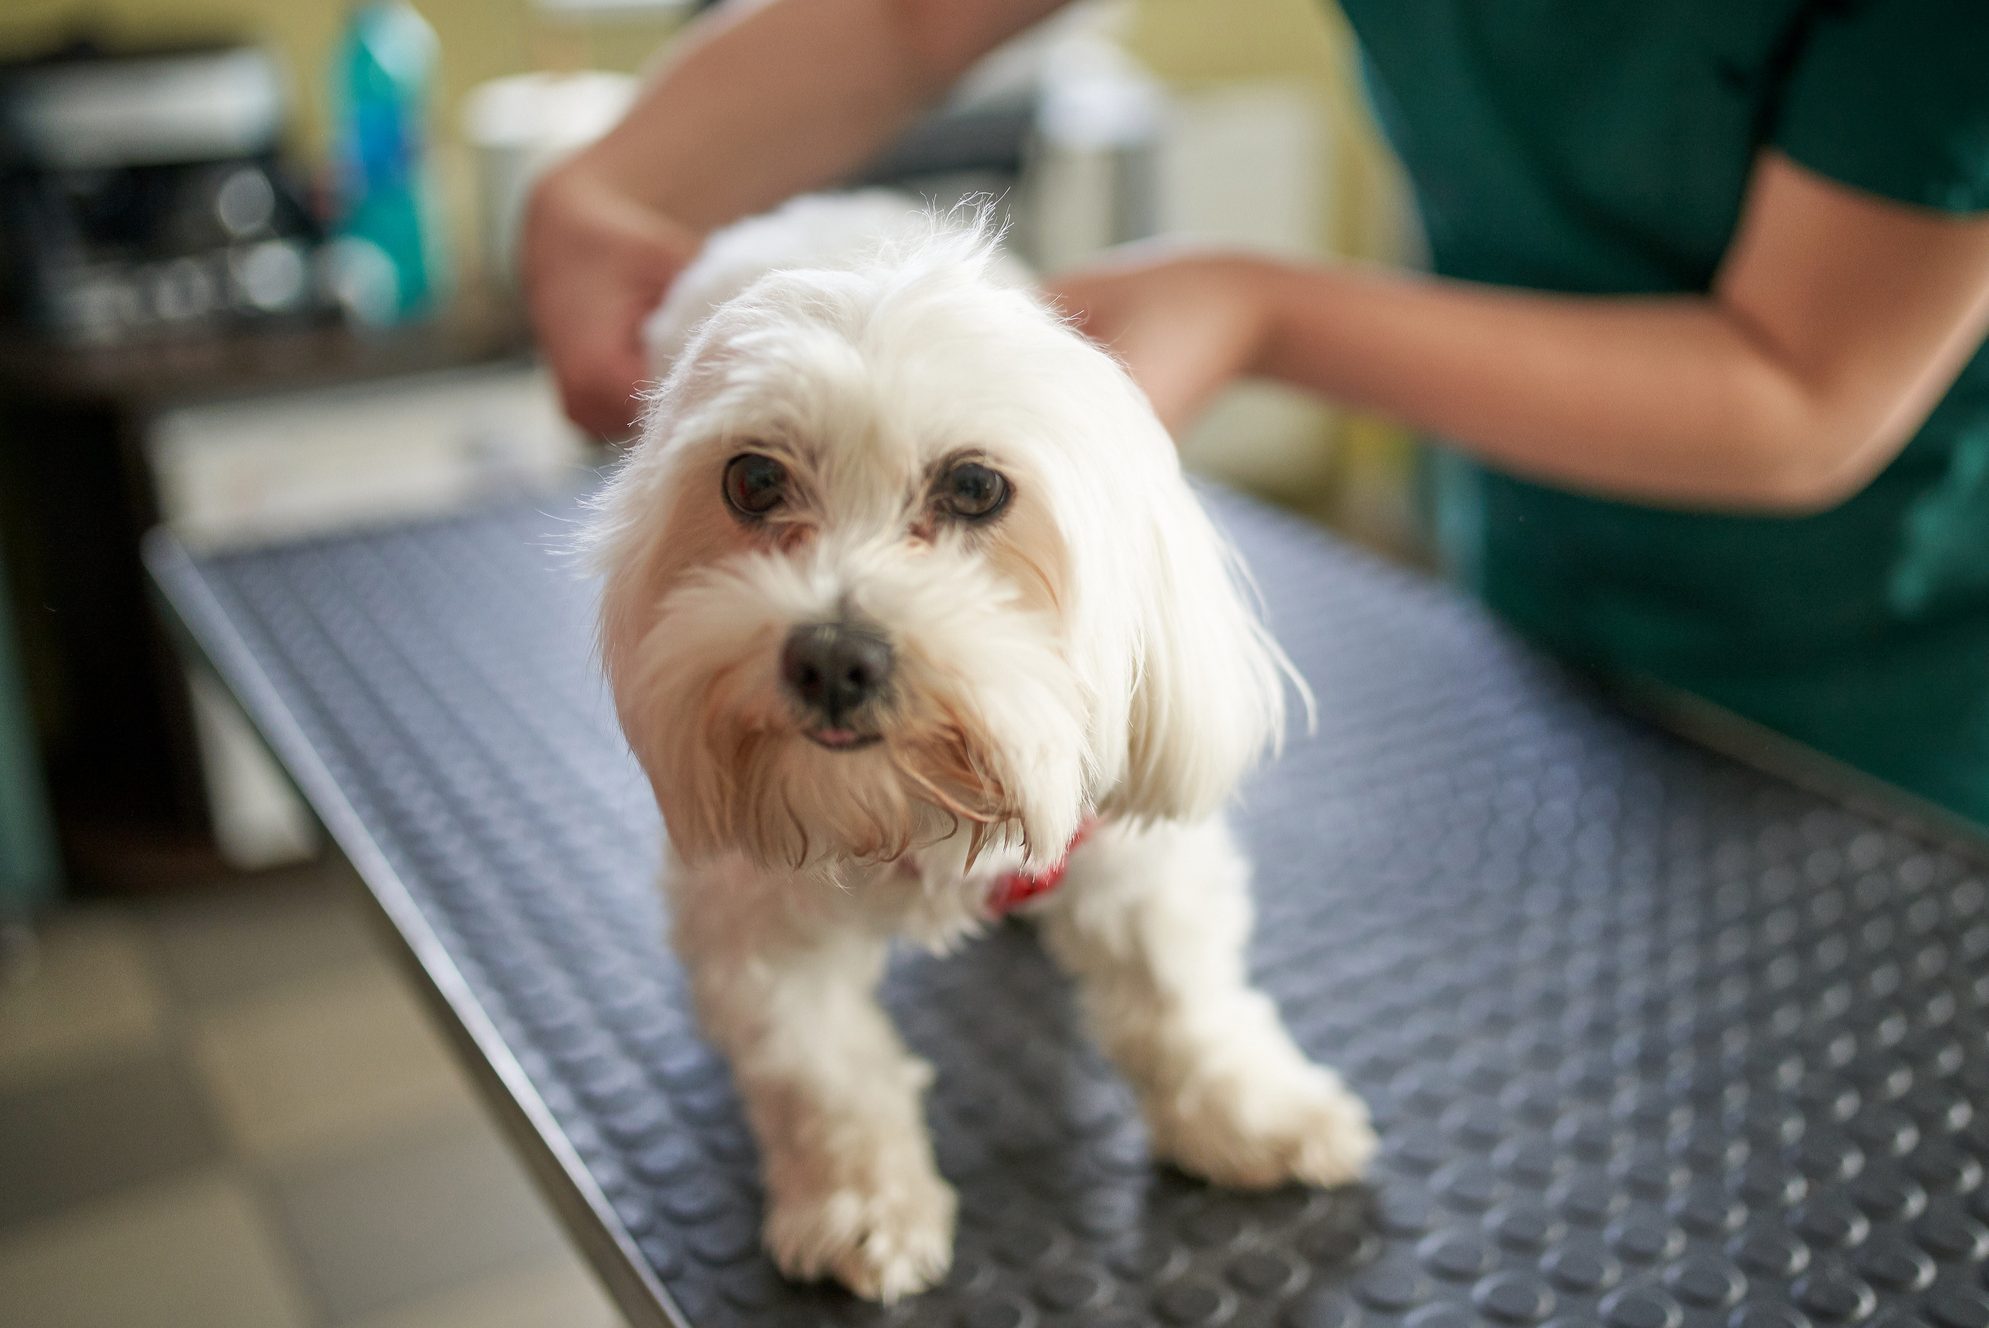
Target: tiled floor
x=228 y=1110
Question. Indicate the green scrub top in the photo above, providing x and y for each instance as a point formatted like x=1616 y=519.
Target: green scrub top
x=1603 y=146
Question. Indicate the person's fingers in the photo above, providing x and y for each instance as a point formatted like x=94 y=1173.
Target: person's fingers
x=595 y=265
x=1114 y=309
x=624 y=366
x=584 y=368
x=1097 y=310
x=600 y=410
x=593 y=357
x=598 y=383
x=1067 y=297
x=593 y=343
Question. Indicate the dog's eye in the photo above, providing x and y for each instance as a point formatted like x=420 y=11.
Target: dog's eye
x=973 y=491
x=754 y=484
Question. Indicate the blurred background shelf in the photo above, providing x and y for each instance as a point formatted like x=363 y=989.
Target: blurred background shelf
x=225 y=436
x=157 y=375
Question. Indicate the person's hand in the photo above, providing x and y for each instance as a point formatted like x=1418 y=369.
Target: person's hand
x=595 y=265
x=1185 y=324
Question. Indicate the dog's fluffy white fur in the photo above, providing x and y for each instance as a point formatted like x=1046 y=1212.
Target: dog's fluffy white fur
x=1085 y=655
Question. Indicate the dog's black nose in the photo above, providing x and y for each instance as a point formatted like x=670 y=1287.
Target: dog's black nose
x=834 y=667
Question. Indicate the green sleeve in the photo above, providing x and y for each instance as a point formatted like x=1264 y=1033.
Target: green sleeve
x=1892 y=97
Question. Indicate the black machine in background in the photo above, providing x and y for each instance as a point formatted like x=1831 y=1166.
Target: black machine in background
x=143 y=195
x=156 y=251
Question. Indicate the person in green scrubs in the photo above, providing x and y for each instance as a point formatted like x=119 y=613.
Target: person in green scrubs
x=1704 y=336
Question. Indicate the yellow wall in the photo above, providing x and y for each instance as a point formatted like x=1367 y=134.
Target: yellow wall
x=1187 y=42
x=1196 y=43
x=481 y=39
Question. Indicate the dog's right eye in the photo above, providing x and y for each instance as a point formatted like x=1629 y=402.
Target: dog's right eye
x=754 y=484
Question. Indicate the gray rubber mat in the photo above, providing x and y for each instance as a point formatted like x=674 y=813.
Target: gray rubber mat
x=1652 y=1039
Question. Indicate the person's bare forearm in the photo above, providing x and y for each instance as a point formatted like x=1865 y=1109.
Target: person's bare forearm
x=756 y=101
x=763 y=100
x=1835 y=323
x=1666 y=399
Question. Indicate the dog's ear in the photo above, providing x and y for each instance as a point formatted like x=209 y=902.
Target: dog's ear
x=1208 y=695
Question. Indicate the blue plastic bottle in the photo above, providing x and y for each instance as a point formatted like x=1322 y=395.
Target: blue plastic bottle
x=390 y=257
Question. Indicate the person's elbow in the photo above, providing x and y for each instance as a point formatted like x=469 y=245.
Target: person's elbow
x=1818 y=453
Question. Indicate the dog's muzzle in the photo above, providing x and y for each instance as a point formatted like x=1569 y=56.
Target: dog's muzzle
x=835 y=670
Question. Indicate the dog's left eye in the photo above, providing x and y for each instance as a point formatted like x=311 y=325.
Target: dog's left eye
x=973 y=490
x=754 y=484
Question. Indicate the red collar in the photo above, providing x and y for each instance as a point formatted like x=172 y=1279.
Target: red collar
x=1014 y=889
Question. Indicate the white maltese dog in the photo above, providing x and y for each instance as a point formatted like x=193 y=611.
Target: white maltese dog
x=911 y=619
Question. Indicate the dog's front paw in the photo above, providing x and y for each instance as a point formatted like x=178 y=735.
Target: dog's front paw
x=882 y=1241
x=1254 y=1127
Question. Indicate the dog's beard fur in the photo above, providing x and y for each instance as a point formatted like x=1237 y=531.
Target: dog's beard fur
x=981 y=731
x=1088 y=652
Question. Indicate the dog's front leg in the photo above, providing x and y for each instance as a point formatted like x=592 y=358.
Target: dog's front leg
x=832 y=1094
x=1153 y=923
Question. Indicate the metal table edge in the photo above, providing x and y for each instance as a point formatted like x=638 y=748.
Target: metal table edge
x=1727 y=733
x=535 y=1134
